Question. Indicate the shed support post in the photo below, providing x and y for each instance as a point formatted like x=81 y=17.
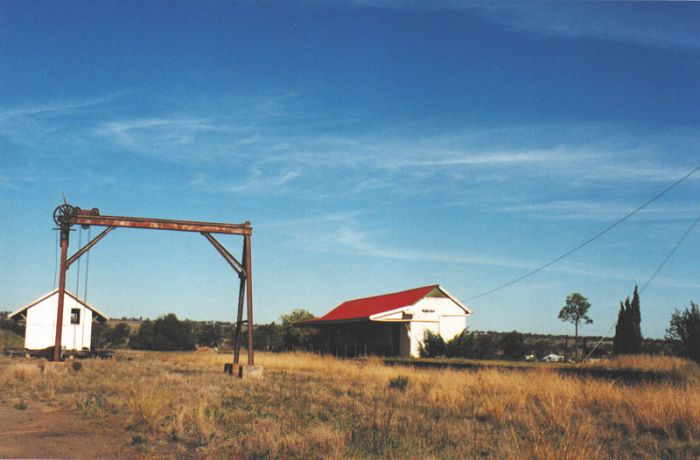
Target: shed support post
x=65 y=234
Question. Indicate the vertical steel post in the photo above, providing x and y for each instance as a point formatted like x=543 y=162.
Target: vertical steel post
x=239 y=317
x=239 y=323
x=65 y=233
x=249 y=283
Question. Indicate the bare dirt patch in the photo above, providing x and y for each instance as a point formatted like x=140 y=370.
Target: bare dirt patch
x=42 y=431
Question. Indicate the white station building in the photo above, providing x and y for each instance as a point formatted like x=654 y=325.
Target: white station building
x=391 y=324
x=39 y=317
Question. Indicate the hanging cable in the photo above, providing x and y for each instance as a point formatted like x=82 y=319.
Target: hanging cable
x=668 y=256
x=588 y=241
x=55 y=262
x=651 y=278
x=77 y=274
x=87 y=266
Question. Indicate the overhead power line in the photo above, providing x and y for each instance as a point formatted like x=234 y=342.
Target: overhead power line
x=588 y=241
x=671 y=252
x=651 y=278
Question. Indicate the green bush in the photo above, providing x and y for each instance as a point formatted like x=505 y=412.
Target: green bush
x=400 y=382
x=433 y=345
x=166 y=333
x=683 y=333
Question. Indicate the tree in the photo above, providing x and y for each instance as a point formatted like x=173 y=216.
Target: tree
x=541 y=348
x=10 y=324
x=144 y=338
x=209 y=334
x=576 y=311
x=513 y=345
x=166 y=333
x=97 y=336
x=268 y=337
x=104 y=336
x=295 y=337
x=118 y=335
x=462 y=345
x=628 y=332
x=683 y=333
x=433 y=345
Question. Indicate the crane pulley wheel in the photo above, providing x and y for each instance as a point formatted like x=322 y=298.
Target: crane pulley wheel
x=62 y=214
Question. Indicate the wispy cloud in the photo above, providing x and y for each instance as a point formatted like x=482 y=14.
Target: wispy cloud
x=644 y=23
x=259 y=181
x=56 y=108
x=8 y=184
x=171 y=139
x=333 y=218
x=640 y=23
x=598 y=210
x=48 y=124
x=348 y=238
x=279 y=148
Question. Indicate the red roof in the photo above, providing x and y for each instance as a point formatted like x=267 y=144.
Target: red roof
x=364 y=308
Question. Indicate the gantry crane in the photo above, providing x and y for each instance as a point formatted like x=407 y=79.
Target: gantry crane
x=67 y=216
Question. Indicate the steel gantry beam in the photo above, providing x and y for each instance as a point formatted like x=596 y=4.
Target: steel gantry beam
x=66 y=216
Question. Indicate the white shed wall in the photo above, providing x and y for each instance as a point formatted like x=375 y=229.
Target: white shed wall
x=417 y=332
x=440 y=315
x=41 y=325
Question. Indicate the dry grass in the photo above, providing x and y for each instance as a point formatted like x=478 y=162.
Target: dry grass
x=312 y=407
x=645 y=363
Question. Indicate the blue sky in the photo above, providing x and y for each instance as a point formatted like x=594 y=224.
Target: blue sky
x=375 y=146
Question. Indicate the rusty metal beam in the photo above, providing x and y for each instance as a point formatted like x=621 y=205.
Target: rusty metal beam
x=232 y=261
x=65 y=233
x=249 y=297
x=239 y=324
x=87 y=247
x=162 y=224
x=239 y=316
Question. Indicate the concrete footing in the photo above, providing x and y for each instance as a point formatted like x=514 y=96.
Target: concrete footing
x=254 y=372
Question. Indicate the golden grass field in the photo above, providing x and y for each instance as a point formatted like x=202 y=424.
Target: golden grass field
x=307 y=406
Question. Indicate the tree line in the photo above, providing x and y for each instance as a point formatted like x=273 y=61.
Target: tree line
x=682 y=336
x=168 y=333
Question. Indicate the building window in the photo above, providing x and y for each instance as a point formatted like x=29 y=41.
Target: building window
x=75 y=316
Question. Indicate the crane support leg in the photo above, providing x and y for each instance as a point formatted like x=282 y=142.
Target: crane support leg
x=249 y=285
x=65 y=232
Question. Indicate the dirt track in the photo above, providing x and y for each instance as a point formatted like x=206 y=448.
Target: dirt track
x=41 y=431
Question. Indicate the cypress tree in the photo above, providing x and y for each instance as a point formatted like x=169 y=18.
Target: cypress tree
x=635 y=320
x=619 y=345
x=628 y=333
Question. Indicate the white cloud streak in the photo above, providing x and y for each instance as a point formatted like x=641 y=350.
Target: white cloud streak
x=56 y=108
x=272 y=142
x=642 y=23
x=598 y=210
x=348 y=239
